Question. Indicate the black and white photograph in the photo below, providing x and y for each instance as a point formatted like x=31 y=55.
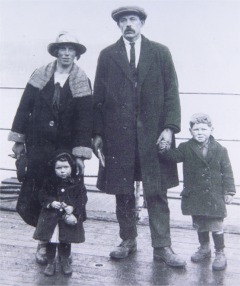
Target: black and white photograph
x=119 y=142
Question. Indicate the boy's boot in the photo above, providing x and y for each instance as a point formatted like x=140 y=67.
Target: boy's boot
x=51 y=266
x=64 y=250
x=204 y=250
x=220 y=261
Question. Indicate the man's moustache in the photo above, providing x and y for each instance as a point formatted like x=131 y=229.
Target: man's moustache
x=129 y=30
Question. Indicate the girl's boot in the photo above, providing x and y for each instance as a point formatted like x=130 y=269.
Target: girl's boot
x=220 y=261
x=51 y=266
x=64 y=250
x=204 y=250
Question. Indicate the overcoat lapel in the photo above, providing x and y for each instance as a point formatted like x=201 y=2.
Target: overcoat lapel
x=197 y=151
x=212 y=150
x=119 y=55
x=145 y=60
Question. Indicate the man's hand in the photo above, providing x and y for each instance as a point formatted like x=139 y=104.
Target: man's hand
x=18 y=149
x=165 y=136
x=97 y=144
x=163 y=146
x=80 y=166
x=228 y=199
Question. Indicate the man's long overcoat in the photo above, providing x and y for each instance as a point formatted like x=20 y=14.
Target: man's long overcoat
x=126 y=116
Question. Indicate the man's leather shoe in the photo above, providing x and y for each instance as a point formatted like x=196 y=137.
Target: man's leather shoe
x=41 y=256
x=50 y=269
x=124 y=249
x=167 y=255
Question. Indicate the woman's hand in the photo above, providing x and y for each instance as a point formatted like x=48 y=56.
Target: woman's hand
x=80 y=166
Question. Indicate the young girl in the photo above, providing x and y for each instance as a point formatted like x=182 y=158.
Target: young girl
x=63 y=199
x=208 y=186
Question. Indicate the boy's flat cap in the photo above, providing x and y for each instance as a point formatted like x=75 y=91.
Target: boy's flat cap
x=117 y=13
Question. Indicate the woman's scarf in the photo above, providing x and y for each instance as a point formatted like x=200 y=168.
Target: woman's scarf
x=78 y=80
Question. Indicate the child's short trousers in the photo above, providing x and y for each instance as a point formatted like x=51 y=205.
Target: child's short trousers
x=205 y=223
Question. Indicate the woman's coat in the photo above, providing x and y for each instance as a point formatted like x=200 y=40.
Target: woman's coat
x=46 y=131
x=127 y=116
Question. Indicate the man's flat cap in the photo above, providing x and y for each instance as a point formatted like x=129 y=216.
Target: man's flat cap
x=117 y=13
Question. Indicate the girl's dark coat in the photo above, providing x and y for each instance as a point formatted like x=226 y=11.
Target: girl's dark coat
x=125 y=114
x=73 y=194
x=206 y=180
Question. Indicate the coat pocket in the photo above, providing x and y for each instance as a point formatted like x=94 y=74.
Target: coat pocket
x=185 y=192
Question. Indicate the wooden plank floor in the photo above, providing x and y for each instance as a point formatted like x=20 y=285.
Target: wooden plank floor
x=92 y=265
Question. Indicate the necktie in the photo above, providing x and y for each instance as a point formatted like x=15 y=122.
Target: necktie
x=132 y=58
x=56 y=97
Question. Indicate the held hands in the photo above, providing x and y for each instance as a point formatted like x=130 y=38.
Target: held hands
x=228 y=199
x=165 y=140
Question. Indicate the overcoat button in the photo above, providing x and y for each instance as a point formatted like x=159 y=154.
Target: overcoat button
x=51 y=123
x=62 y=190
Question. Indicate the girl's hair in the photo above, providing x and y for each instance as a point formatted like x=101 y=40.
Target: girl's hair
x=63 y=156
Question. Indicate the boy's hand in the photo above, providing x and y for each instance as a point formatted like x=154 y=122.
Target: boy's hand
x=68 y=209
x=56 y=205
x=165 y=136
x=163 y=146
x=228 y=199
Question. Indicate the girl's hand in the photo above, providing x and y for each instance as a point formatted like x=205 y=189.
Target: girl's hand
x=56 y=205
x=68 y=209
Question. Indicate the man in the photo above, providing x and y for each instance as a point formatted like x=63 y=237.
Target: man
x=136 y=105
x=55 y=112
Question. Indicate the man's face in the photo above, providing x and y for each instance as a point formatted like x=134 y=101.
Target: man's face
x=63 y=169
x=66 y=55
x=201 y=132
x=130 y=26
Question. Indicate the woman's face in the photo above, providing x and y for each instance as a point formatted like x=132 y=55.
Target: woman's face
x=66 y=55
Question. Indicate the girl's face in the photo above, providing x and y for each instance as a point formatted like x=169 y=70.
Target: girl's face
x=201 y=132
x=63 y=169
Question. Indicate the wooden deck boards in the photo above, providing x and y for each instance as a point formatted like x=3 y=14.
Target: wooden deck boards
x=92 y=265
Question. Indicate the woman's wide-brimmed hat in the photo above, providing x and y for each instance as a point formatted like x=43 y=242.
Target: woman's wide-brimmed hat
x=66 y=38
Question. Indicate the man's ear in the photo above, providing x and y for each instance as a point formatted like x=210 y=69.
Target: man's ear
x=143 y=22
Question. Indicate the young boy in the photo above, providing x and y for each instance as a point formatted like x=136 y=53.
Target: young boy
x=208 y=185
x=63 y=198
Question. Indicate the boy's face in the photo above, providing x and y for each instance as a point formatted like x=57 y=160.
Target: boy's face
x=201 y=132
x=63 y=169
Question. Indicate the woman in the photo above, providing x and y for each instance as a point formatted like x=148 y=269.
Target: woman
x=55 y=112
